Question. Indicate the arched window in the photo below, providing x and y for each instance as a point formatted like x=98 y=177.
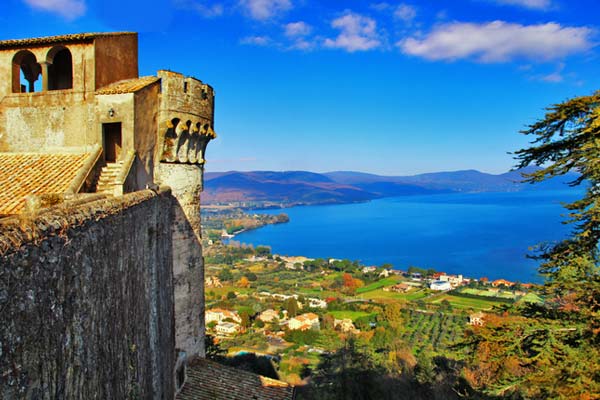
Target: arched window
x=25 y=72
x=60 y=68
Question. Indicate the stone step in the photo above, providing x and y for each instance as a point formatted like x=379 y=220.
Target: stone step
x=106 y=181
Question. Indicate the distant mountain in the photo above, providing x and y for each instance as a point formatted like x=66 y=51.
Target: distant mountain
x=303 y=187
x=290 y=187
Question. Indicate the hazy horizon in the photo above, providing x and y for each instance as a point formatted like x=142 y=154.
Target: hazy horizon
x=392 y=88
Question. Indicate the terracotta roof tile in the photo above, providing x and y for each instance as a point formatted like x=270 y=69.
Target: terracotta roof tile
x=22 y=174
x=209 y=380
x=77 y=37
x=128 y=85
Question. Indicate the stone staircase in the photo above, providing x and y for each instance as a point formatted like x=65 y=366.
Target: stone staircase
x=108 y=176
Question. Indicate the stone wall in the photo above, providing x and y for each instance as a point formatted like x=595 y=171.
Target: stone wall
x=186 y=98
x=86 y=298
x=188 y=264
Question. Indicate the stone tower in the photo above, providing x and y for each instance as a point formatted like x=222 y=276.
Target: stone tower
x=185 y=121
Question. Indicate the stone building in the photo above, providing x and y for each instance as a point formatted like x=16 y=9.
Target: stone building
x=94 y=156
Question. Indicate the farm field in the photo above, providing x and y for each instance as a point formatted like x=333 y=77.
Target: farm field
x=489 y=293
x=379 y=284
x=353 y=315
x=386 y=297
x=463 y=302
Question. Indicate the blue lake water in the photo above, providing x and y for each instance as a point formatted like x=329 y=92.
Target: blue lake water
x=476 y=234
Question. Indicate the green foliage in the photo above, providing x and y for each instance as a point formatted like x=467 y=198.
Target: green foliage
x=225 y=275
x=533 y=358
x=416 y=270
x=349 y=373
x=260 y=365
x=245 y=319
x=262 y=251
x=392 y=315
x=308 y=336
x=568 y=140
x=251 y=276
x=213 y=350
x=551 y=350
x=291 y=305
x=231 y=295
x=345 y=265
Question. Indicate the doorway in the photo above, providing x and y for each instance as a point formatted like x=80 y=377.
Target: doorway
x=111 y=141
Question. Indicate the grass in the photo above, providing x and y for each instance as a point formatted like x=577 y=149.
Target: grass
x=488 y=293
x=378 y=285
x=463 y=302
x=531 y=298
x=388 y=297
x=353 y=315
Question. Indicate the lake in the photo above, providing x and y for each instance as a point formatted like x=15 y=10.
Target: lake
x=474 y=234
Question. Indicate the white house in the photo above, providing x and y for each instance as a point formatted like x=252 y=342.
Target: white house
x=440 y=285
x=366 y=270
x=455 y=280
x=219 y=315
x=316 y=303
x=227 y=328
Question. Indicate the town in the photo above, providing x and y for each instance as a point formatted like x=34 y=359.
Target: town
x=292 y=309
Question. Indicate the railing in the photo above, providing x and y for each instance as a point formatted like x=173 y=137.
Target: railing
x=86 y=169
x=124 y=172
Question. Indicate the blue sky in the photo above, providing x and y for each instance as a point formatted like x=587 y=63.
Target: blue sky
x=389 y=87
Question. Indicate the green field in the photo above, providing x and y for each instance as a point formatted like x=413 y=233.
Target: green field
x=437 y=331
x=378 y=285
x=531 y=298
x=379 y=294
x=353 y=315
x=464 y=302
x=488 y=293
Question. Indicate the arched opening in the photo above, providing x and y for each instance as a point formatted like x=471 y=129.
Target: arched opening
x=183 y=143
x=60 y=68
x=25 y=73
x=170 y=141
x=194 y=139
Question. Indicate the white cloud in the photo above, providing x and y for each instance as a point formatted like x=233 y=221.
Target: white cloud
x=298 y=33
x=265 y=9
x=405 y=12
x=556 y=76
x=256 y=40
x=302 y=44
x=381 y=6
x=207 y=11
x=499 y=41
x=531 y=4
x=68 y=9
x=358 y=33
x=297 y=29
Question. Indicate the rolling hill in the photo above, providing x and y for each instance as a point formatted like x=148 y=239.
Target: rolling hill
x=303 y=187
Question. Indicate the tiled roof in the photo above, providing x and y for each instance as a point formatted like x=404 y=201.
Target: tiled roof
x=128 y=85
x=307 y=317
x=77 y=37
x=209 y=380
x=22 y=174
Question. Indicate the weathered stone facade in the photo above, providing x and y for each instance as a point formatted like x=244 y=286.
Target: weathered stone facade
x=80 y=96
x=87 y=300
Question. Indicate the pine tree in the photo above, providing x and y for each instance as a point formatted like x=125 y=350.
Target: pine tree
x=568 y=140
x=552 y=351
